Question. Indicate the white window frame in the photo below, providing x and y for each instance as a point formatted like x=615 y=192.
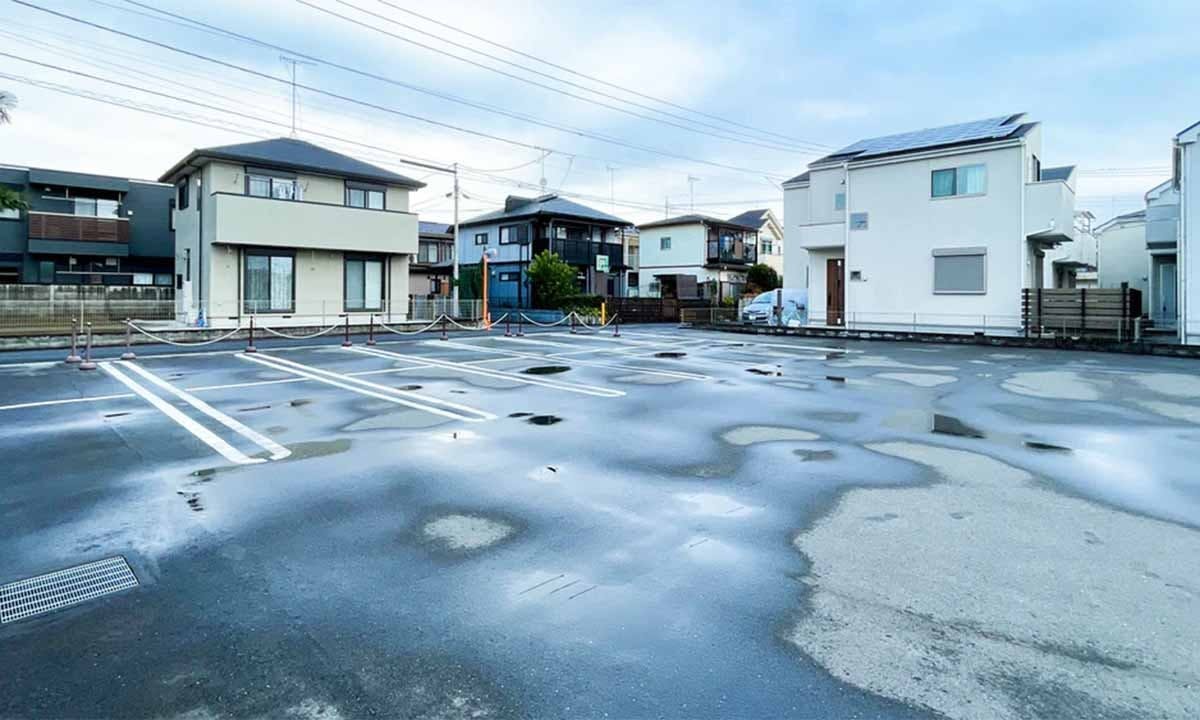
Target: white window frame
x=960 y=252
x=958 y=169
x=664 y=242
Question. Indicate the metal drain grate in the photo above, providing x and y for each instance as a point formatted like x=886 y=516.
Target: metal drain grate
x=63 y=588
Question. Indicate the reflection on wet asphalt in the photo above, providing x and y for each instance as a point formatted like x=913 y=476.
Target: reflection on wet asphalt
x=816 y=529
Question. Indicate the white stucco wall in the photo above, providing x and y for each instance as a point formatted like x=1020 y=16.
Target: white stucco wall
x=1189 y=242
x=685 y=257
x=1122 y=258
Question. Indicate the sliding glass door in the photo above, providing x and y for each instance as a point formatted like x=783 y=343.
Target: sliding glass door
x=270 y=281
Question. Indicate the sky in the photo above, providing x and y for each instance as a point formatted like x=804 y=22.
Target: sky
x=637 y=108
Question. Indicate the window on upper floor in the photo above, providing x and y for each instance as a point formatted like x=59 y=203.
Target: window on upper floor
x=963 y=180
x=511 y=234
x=481 y=238
x=96 y=207
x=10 y=214
x=839 y=201
x=182 y=191
x=1035 y=169
x=268 y=186
x=765 y=247
x=664 y=243
x=363 y=196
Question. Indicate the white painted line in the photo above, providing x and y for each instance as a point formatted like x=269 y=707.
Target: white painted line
x=496 y=374
x=230 y=453
x=753 y=343
x=278 y=452
x=678 y=374
x=66 y=401
x=364 y=387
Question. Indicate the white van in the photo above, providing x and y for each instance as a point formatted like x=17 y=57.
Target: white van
x=777 y=308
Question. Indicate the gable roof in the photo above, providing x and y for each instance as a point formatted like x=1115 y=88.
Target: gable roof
x=696 y=218
x=1137 y=216
x=801 y=178
x=544 y=206
x=1179 y=136
x=426 y=229
x=750 y=217
x=294 y=154
x=1001 y=127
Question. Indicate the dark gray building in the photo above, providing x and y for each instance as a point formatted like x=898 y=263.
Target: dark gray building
x=83 y=229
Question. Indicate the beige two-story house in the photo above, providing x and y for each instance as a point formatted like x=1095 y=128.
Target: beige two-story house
x=290 y=232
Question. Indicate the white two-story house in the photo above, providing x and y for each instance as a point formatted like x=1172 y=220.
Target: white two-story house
x=1186 y=186
x=934 y=228
x=770 y=242
x=695 y=256
x=289 y=231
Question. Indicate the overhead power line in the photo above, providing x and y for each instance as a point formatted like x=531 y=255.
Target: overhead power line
x=375 y=106
x=595 y=79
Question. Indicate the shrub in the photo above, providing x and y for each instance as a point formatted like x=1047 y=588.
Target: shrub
x=550 y=279
x=761 y=278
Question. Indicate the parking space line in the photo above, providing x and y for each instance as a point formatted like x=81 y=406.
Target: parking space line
x=679 y=374
x=278 y=452
x=229 y=452
x=755 y=343
x=496 y=374
x=375 y=390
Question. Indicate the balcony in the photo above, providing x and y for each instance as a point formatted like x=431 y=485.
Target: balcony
x=60 y=233
x=584 y=252
x=822 y=236
x=250 y=220
x=1049 y=212
x=726 y=252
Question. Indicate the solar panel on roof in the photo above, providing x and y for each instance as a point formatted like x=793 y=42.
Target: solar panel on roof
x=996 y=127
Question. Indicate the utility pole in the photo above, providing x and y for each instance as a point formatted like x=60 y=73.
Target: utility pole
x=454 y=283
x=293 y=62
x=667 y=207
x=692 y=192
x=543 y=180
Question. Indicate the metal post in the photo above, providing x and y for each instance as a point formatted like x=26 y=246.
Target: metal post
x=128 y=354
x=346 y=341
x=250 y=340
x=573 y=330
x=507 y=327
x=73 y=358
x=444 y=335
x=617 y=325
x=87 y=363
x=371 y=330
x=520 y=324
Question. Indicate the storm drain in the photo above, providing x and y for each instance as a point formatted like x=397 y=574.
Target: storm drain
x=63 y=588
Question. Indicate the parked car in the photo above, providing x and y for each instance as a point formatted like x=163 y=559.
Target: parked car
x=792 y=308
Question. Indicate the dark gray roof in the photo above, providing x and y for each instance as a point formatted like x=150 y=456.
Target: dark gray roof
x=1186 y=130
x=295 y=154
x=544 y=206
x=61 y=178
x=802 y=177
x=1058 y=173
x=750 y=218
x=426 y=228
x=693 y=218
x=968 y=133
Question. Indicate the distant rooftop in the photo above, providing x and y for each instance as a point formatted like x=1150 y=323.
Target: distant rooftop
x=693 y=218
x=295 y=154
x=434 y=228
x=545 y=205
x=750 y=217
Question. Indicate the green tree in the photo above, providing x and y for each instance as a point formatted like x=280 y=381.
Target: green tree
x=8 y=101
x=11 y=199
x=551 y=280
x=761 y=278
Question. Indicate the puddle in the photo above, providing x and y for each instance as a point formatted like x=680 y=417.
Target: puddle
x=648 y=379
x=544 y=419
x=192 y=499
x=837 y=416
x=763 y=371
x=545 y=370
x=409 y=388
x=752 y=434
x=116 y=415
x=299 y=402
x=1052 y=385
x=1039 y=445
x=670 y=354
x=834 y=356
x=835 y=378
x=519 y=414
x=814 y=455
x=919 y=379
x=459 y=392
x=460 y=532
x=713 y=504
x=317 y=448
x=947 y=425
x=276 y=430
x=253 y=408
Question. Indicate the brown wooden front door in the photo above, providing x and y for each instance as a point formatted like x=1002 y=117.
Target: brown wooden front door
x=835 y=291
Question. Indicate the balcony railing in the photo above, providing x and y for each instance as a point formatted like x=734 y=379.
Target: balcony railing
x=734 y=253
x=78 y=228
x=584 y=252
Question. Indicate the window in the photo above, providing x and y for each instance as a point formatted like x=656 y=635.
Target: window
x=143 y=278
x=664 y=243
x=270 y=282
x=10 y=214
x=94 y=207
x=182 y=192
x=427 y=252
x=163 y=279
x=361 y=196
x=1035 y=169
x=960 y=271
x=839 y=201
x=965 y=180
x=514 y=234
x=505 y=235
x=435 y=286
x=510 y=276
x=171 y=215
x=481 y=238
x=268 y=186
x=765 y=246
x=560 y=233
x=364 y=284
x=655 y=288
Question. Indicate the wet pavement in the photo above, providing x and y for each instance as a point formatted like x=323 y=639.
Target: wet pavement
x=672 y=523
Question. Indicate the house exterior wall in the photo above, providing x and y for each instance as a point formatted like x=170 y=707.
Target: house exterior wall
x=1122 y=258
x=1189 y=238
x=775 y=258
x=684 y=257
x=221 y=222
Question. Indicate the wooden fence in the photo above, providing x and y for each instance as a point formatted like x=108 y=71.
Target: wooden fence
x=1081 y=312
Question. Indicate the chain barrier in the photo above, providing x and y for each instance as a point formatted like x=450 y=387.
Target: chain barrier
x=160 y=339
x=310 y=336
x=428 y=327
x=556 y=323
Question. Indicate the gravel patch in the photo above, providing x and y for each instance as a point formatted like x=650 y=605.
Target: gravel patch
x=466 y=532
x=973 y=595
